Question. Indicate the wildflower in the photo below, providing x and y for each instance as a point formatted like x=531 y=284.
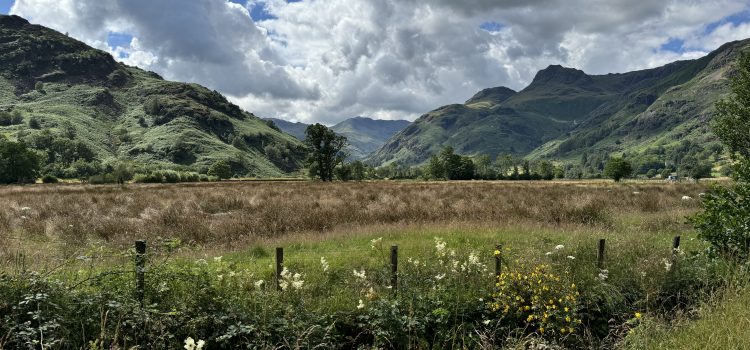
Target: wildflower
x=667 y=264
x=440 y=276
x=486 y=322
x=360 y=274
x=190 y=344
x=638 y=315
x=201 y=262
x=217 y=259
x=559 y=246
x=25 y=209
x=371 y=295
x=361 y=305
x=440 y=247
x=220 y=277
x=375 y=243
x=548 y=253
x=571 y=257
x=324 y=264
x=603 y=274
x=497 y=253
x=259 y=284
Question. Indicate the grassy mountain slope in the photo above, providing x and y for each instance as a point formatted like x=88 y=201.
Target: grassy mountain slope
x=365 y=135
x=295 y=129
x=564 y=113
x=119 y=112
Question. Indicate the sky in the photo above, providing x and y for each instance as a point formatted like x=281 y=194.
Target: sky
x=329 y=60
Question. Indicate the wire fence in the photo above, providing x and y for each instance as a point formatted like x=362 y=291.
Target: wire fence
x=99 y=263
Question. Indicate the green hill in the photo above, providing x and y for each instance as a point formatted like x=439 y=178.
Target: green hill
x=365 y=135
x=82 y=109
x=566 y=114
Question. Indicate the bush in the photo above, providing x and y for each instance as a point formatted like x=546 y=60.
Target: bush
x=221 y=170
x=153 y=177
x=49 y=179
x=537 y=301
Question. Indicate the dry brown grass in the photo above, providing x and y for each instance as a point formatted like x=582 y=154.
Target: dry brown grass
x=227 y=213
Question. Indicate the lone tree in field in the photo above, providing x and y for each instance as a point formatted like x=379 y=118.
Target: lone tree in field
x=220 y=169
x=326 y=151
x=617 y=169
x=726 y=217
x=695 y=169
x=18 y=164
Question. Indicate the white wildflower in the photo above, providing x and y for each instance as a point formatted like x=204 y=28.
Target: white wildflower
x=559 y=246
x=636 y=192
x=486 y=322
x=201 y=262
x=667 y=264
x=360 y=274
x=440 y=276
x=259 y=284
x=232 y=273
x=217 y=259
x=200 y=344
x=371 y=295
x=376 y=243
x=571 y=257
x=25 y=209
x=190 y=344
x=603 y=274
x=23 y=217
x=361 y=304
x=440 y=247
x=548 y=253
x=324 y=264
x=220 y=277
x=686 y=198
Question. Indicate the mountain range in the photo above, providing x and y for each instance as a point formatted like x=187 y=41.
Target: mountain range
x=565 y=114
x=78 y=106
x=365 y=135
x=87 y=107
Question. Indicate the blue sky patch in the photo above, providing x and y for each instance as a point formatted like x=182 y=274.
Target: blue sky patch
x=258 y=12
x=674 y=45
x=5 y=6
x=735 y=19
x=119 y=39
x=492 y=26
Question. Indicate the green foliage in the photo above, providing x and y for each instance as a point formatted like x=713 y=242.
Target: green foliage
x=451 y=166
x=326 y=151
x=732 y=124
x=18 y=164
x=221 y=170
x=34 y=123
x=50 y=179
x=726 y=218
x=617 y=169
x=11 y=118
x=695 y=169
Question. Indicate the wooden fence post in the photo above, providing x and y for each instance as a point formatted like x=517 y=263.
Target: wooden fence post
x=279 y=266
x=675 y=245
x=600 y=254
x=394 y=268
x=140 y=270
x=498 y=259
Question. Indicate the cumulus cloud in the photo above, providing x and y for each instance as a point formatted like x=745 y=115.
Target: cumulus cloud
x=327 y=60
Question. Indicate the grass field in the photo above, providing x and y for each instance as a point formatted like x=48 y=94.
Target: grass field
x=210 y=271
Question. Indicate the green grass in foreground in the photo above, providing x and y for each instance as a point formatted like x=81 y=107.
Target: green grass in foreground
x=722 y=325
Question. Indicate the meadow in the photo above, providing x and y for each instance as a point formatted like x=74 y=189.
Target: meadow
x=68 y=279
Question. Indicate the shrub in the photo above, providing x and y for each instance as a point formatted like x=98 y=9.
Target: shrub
x=617 y=169
x=152 y=177
x=49 y=179
x=536 y=300
x=221 y=170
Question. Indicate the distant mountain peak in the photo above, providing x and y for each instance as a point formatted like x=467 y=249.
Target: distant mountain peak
x=13 y=22
x=495 y=94
x=559 y=74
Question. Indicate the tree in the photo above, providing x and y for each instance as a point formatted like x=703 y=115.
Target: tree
x=726 y=215
x=325 y=151
x=18 y=164
x=358 y=170
x=220 y=169
x=617 y=169
x=695 y=169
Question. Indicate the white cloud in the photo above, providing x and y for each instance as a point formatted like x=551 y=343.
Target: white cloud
x=326 y=60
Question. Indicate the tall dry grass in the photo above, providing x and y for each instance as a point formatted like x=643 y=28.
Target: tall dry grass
x=224 y=213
